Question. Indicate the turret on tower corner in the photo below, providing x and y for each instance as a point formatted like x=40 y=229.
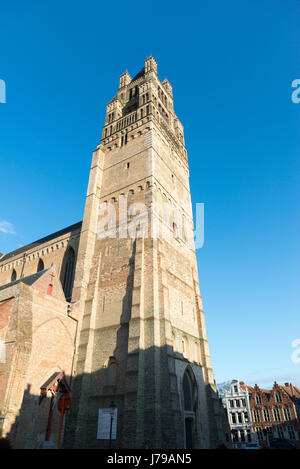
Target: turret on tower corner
x=168 y=87
x=125 y=79
x=150 y=65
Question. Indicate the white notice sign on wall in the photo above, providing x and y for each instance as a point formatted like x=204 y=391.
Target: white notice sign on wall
x=104 y=420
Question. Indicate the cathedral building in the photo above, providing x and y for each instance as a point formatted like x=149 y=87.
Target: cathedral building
x=109 y=310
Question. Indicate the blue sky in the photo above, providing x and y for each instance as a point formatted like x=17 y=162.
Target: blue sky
x=231 y=64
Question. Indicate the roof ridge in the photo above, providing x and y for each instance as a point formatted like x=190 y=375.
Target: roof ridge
x=41 y=240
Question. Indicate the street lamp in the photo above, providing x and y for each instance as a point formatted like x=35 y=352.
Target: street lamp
x=112 y=408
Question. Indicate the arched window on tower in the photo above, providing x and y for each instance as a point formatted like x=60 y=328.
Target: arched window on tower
x=40 y=265
x=187 y=392
x=68 y=278
x=13 y=276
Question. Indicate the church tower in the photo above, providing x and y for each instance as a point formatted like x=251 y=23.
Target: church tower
x=141 y=339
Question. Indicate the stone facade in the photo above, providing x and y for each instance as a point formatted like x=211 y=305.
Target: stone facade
x=136 y=302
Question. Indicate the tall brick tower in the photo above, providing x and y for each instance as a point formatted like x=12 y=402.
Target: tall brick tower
x=142 y=340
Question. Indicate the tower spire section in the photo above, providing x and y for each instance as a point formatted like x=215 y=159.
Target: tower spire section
x=142 y=99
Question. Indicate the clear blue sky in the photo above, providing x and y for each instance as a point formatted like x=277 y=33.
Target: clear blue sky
x=231 y=64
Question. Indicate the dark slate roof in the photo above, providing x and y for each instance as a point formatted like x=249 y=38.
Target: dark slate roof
x=74 y=227
x=29 y=280
x=139 y=75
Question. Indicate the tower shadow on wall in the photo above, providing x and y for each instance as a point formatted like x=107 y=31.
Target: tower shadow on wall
x=31 y=427
x=107 y=379
x=123 y=331
x=139 y=382
x=122 y=336
x=114 y=374
x=31 y=423
x=156 y=414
